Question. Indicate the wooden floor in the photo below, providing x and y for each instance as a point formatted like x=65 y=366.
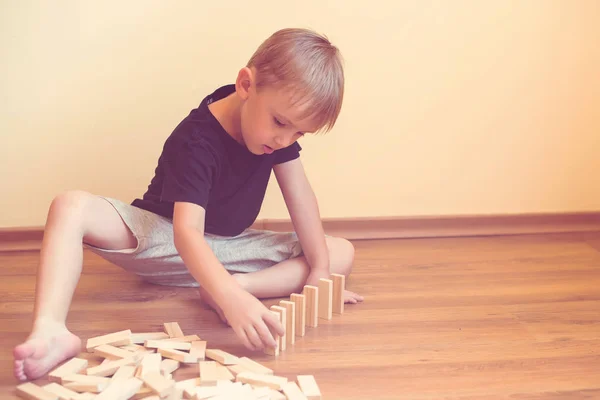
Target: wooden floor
x=460 y=318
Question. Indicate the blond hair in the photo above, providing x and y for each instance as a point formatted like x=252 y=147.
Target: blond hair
x=308 y=64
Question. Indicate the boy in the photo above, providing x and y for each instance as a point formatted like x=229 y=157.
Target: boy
x=191 y=228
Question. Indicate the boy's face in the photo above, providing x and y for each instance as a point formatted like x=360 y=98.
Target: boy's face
x=269 y=120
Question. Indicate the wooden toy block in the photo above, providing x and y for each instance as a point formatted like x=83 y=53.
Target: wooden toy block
x=309 y=387
x=274 y=351
x=73 y=366
x=62 y=392
x=236 y=369
x=155 y=397
x=173 y=329
x=121 y=389
x=300 y=301
x=177 y=355
x=208 y=373
x=125 y=372
x=143 y=392
x=86 y=386
x=80 y=378
x=116 y=339
x=31 y=391
x=188 y=338
x=159 y=384
x=168 y=366
x=339 y=285
x=311 y=293
x=223 y=374
x=108 y=351
x=254 y=366
x=254 y=379
x=150 y=363
x=164 y=344
x=275 y=395
x=222 y=357
x=140 y=338
x=112 y=367
x=198 y=350
x=293 y=392
x=290 y=318
x=207 y=392
x=86 y=396
x=325 y=298
x=187 y=383
x=136 y=348
x=283 y=319
x=176 y=394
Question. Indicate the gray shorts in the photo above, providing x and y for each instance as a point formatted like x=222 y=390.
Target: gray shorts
x=156 y=260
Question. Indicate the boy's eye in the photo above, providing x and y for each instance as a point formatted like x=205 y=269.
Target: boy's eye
x=278 y=122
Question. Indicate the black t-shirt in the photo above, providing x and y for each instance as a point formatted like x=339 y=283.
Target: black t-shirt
x=202 y=164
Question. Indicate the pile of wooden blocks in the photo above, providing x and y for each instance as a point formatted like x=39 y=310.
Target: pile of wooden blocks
x=141 y=365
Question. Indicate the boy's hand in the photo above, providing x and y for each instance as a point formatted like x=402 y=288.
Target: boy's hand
x=251 y=320
x=351 y=297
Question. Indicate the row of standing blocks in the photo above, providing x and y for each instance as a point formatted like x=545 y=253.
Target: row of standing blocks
x=302 y=310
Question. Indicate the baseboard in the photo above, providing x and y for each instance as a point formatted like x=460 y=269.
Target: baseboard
x=30 y=238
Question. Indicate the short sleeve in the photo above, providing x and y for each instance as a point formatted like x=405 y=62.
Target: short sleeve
x=189 y=173
x=288 y=153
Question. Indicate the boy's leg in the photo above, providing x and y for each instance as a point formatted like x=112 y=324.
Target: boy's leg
x=74 y=217
x=289 y=276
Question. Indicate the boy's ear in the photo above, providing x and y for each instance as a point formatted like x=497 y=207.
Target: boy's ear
x=244 y=81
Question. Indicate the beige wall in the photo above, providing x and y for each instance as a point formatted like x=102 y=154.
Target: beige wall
x=452 y=107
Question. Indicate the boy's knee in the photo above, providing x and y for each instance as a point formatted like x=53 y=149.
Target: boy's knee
x=71 y=202
x=341 y=254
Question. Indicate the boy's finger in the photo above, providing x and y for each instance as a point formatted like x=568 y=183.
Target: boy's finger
x=274 y=322
x=253 y=337
x=266 y=335
x=242 y=335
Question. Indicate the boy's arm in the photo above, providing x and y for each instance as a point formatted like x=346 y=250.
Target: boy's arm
x=249 y=318
x=302 y=205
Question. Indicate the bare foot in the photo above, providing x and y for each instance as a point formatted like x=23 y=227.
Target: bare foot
x=207 y=298
x=43 y=350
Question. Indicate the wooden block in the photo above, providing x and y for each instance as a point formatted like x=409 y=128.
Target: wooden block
x=173 y=329
x=293 y=392
x=311 y=293
x=299 y=300
x=254 y=366
x=112 y=367
x=31 y=391
x=283 y=319
x=189 y=338
x=164 y=344
x=168 y=366
x=86 y=396
x=80 y=378
x=140 y=338
x=274 y=351
x=120 y=338
x=125 y=372
x=121 y=389
x=108 y=351
x=325 y=298
x=136 y=348
x=222 y=357
x=290 y=318
x=150 y=364
x=339 y=285
x=208 y=373
x=143 y=392
x=275 y=395
x=73 y=366
x=187 y=383
x=309 y=387
x=62 y=392
x=86 y=386
x=236 y=369
x=159 y=384
x=176 y=394
x=177 y=355
x=223 y=374
x=198 y=350
x=254 y=379
x=207 y=392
